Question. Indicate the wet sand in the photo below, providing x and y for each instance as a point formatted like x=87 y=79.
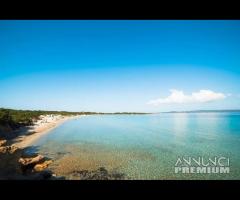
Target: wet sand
x=30 y=134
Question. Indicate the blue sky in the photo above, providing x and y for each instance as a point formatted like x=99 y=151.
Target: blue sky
x=120 y=65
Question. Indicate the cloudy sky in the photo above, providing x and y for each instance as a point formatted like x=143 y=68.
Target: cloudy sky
x=145 y=66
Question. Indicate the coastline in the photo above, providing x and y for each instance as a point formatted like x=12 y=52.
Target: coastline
x=29 y=135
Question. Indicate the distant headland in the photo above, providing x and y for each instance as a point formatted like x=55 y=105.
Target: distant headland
x=204 y=111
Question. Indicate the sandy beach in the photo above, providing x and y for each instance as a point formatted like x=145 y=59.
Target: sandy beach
x=28 y=135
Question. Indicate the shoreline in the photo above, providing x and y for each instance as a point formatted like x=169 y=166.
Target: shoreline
x=30 y=134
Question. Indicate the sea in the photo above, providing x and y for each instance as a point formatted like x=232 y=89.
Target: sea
x=145 y=146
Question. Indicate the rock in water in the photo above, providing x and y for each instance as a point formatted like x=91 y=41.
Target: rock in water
x=30 y=162
x=41 y=166
x=99 y=174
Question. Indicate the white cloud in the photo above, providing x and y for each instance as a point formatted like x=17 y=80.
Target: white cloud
x=178 y=97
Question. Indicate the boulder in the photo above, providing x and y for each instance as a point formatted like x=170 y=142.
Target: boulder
x=3 y=142
x=3 y=149
x=28 y=162
x=12 y=149
x=8 y=149
x=41 y=166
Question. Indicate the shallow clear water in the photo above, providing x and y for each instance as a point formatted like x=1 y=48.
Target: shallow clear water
x=143 y=146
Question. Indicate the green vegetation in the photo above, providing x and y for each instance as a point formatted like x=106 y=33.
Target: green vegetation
x=11 y=119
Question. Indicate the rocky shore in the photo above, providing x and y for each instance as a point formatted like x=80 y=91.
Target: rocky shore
x=16 y=164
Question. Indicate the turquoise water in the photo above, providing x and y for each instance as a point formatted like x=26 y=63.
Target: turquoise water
x=144 y=146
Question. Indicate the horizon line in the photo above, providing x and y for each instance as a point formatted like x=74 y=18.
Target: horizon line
x=136 y=112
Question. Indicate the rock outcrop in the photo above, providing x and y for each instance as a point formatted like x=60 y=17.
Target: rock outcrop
x=3 y=142
x=41 y=166
x=8 y=149
x=9 y=166
x=34 y=164
x=25 y=162
x=14 y=165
